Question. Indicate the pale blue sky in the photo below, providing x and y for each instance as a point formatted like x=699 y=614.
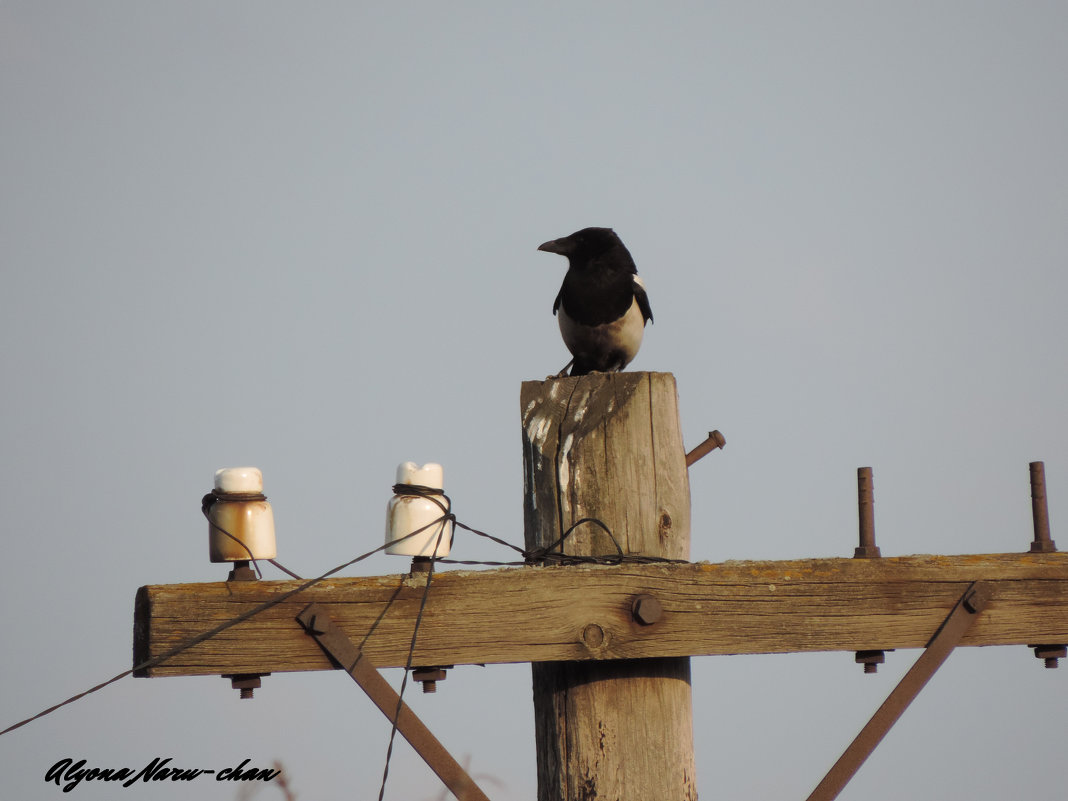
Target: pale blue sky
x=303 y=236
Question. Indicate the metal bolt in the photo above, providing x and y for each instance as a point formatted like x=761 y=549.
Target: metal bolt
x=867 y=550
x=241 y=572
x=715 y=440
x=1050 y=653
x=421 y=564
x=1040 y=510
x=866 y=503
x=246 y=682
x=647 y=609
x=429 y=676
x=871 y=660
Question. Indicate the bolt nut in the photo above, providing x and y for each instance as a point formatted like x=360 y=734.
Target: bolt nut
x=1043 y=546
x=871 y=660
x=1051 y=653
x=429 y=676
x=647 y=610
x=246 y=682
x=241 y=572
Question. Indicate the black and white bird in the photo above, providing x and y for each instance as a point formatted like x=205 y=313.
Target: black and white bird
x=602 y=307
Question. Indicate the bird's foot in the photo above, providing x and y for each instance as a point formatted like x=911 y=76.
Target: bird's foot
x=563 y=372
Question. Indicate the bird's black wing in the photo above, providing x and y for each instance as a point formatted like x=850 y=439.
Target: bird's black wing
x=556 y=303
x=639 y=295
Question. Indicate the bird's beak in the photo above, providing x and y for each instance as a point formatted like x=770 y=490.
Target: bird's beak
x=553 y=246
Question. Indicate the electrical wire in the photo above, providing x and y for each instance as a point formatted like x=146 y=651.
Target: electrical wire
x=184 y=646
x=543 y=555
x=411 y=650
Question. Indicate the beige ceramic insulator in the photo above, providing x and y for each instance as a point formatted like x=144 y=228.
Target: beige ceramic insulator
x=240 y=510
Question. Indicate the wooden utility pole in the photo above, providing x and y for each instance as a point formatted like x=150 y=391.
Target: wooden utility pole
x=609 y=447
x=610 y=644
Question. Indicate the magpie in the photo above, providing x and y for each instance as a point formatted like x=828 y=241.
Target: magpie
x=602 y=307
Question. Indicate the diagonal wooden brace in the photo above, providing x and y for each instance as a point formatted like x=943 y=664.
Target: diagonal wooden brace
x=974 y=600
x=337 y=644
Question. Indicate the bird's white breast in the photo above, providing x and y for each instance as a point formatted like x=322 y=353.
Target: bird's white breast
x=623 y=335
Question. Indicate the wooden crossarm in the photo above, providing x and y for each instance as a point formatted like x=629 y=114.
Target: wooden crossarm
x=579 y=612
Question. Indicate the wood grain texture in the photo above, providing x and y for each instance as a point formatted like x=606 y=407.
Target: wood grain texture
x=539 y=614
x=609 y=446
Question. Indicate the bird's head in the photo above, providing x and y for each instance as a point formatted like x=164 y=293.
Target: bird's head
x=583 y=245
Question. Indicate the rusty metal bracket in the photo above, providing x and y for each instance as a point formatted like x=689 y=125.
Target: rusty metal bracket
x=974 y=600
x=337 y=644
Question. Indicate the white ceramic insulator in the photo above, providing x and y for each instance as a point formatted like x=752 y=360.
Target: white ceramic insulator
x=239 y=479
x=407 y=513
x=251 y=522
